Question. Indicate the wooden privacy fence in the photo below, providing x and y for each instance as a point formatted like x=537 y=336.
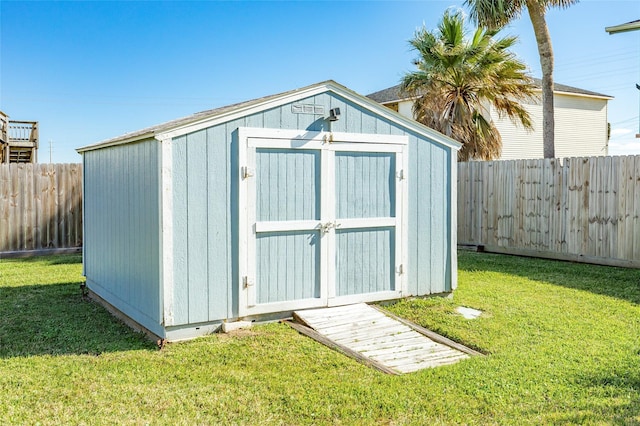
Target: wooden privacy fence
x=582 y=209
x=40 y=206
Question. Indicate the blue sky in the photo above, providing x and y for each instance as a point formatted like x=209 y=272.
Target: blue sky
x=88 y=71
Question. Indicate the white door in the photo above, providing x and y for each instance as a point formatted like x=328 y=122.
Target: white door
x=322 y=219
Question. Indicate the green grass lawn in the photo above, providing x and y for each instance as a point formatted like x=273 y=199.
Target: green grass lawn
x=563 y=345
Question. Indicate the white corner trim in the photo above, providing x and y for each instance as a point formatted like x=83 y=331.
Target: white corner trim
x=243 y=223
x=404 y=222
x=166 y=234
x=454 y=220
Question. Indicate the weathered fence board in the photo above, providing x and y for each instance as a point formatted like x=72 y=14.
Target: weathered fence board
x=40 y=206
x=584 y=209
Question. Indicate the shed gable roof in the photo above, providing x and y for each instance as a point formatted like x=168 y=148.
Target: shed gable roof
x=395 y=94
x=215 y=116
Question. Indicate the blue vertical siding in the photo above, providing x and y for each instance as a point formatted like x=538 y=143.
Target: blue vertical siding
x=219 y=211
x=181 y=241
x=122 y=239
x=205 y=166
x=197 y=215
x=364 y=261
x=365 y=184
x=287 y=266
x=429 y=218
x=287 y=184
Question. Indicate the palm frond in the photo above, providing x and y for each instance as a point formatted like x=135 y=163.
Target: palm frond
x=459 y=78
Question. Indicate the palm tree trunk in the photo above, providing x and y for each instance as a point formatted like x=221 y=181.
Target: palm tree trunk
x=536 y=14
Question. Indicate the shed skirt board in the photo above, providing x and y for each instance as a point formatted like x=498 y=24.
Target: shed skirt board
x=322 y=219
x=384 y=342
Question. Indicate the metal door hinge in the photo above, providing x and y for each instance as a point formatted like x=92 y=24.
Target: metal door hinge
x=400 y=174
x=247 y=172
x=399 y=269
x=246 y=282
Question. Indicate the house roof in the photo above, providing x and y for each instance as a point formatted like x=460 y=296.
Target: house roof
x=394 y=94
x=215 y=116
x=629 y=26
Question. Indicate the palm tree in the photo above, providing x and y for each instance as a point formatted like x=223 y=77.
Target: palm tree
x=497 y=13
x=458 y=79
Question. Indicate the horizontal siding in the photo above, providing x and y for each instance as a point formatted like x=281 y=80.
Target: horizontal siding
x=517 y=142
x=121 y=246
x=580 y=130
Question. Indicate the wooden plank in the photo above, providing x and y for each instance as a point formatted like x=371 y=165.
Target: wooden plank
x=37 y=196
x=386 y=342
x=412 y=367
x=346 y=322
x=406 y=350
x=595 y=201
x=561 y=182
x=571 y=257
x=584 y=208
x=408 y=336
x=337 y=312
x=352 y=326
x=41 y=252
x=4 y=207
x=629 y=206
x=338 y=320
x=43 y=222
x=357 y=333
x=28 y=208
x=61 y=180
x=14 y=217
x=442 y=352
x=53 y=207
x=432 y=334
x=309 y=332
x=380 y=337
x=621 y=170
x=77 y=206
x=636 y=208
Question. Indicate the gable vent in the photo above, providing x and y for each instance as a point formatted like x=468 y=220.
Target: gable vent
x=307 y=109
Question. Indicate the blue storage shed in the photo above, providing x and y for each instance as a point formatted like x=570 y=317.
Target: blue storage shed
x=310 y=198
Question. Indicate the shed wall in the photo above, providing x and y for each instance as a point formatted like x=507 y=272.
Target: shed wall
x=205 y=200
x=121 y=224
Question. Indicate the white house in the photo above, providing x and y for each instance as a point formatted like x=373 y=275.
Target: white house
x=580 y=119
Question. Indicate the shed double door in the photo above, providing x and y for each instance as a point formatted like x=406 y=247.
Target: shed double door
x=322 y=219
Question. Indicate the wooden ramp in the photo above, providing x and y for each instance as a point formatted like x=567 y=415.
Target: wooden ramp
x=378 y=339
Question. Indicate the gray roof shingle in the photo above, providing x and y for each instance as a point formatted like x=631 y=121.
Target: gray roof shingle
x=394 y=93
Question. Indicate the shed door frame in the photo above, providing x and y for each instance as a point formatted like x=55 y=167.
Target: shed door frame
x=327 y=143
